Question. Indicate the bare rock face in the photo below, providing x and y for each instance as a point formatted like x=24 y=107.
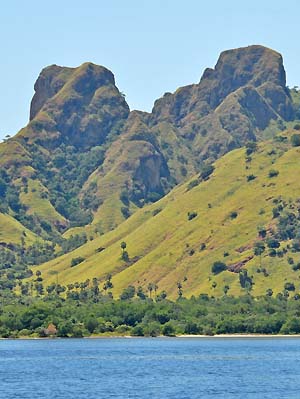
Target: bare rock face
x=49 y=82
x=250 y=66
x=231 y=103
x=80 y=106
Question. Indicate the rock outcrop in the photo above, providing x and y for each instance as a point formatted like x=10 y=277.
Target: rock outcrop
x=79 y=106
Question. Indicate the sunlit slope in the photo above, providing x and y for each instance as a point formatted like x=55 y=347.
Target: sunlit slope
x=166 y=248
x=13 y=232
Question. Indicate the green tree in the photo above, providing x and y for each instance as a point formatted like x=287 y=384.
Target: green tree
x=218 y=267
x=123 y=246
x=295 y=140
x=128 y=293
x=168 y=330
x=258 y=249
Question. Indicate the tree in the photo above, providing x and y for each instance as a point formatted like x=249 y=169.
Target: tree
x=179 y=288
x=251 y=177
x=76 y=261
x=168 y=330
x=251 y=147
x=226 y=289
x=259 y=248
x=125 y=256
x=91 y=324
x=150 y=289
x=245 y=280
x=191 y=215
x=140 y=293
x=273 y=243
x=206 y=171
x=273 y=173
x=218 y=267
x=289 y=286
x=128 y=293
x=123 y=246
x=295 y=140
x=3 y=187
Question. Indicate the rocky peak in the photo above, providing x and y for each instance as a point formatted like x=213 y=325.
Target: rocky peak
x=248 y=66
x=79 y=105
x=252 y=65
x=49 y=82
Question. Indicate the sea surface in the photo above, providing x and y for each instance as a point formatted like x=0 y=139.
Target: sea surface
x=176 y=368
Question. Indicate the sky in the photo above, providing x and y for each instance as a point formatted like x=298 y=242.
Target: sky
x=152 y=47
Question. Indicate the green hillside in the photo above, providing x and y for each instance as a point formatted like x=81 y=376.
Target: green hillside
x=176 y=185
x=229 y=209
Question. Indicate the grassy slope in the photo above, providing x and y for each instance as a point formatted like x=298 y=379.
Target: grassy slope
x=38 y=205
x=11 y=231
x=164 y=242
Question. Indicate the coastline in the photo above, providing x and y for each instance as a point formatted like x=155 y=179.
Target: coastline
x=182 y=336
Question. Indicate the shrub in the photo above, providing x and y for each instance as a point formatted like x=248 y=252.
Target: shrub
x=137 y=331
x=273 y=173
x=202 y=246
x=218 y=267
x=289 y=286
x=295 y=140
x=276 y=213
x=156 y=211
x=206 y=171
x=251 y=147
x=76 y=261
x=296 y=267
x=273 y=243
x=125 y=256
x=191 y=215
x=297 y=126
x=127 y=293
x=233 y=214
x=168 y=330
x=192 y=328
x=125 y=212
x=192 y=184
x=262 y=232
x=153 y=196
x=296 y=246
x=272 y=253
x=124 y=197
x=250 y=178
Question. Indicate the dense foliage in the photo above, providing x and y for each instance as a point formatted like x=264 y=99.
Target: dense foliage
x=86 y=311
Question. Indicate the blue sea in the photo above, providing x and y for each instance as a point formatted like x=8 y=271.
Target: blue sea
x=150 y=368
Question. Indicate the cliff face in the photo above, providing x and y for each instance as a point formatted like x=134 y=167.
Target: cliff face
x=79 y=106
x=99 y=160
x=49 y=82
x=254 y=66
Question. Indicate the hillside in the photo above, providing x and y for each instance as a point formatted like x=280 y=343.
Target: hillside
x=230 y=211
x=87 y=173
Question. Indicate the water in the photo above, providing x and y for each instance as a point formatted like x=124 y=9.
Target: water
x=150 y=368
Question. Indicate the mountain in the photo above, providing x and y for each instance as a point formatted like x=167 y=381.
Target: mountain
x=85 y=164
x=243 y=203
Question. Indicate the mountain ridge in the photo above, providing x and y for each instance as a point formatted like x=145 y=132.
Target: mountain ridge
x=85 y=163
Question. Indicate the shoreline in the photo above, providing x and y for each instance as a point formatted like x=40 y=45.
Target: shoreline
x=182 y=336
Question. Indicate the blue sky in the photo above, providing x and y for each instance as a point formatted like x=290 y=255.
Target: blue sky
x=151 y=46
